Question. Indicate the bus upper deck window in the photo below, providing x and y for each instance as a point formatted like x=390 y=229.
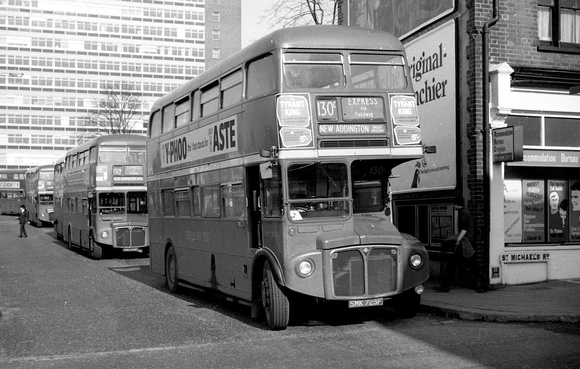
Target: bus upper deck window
x=378 y=71
x=112 y=155
x=304 y=70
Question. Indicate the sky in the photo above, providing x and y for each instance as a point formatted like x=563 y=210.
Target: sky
x=253 y=24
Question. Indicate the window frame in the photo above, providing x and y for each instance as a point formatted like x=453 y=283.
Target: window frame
x=555 y=44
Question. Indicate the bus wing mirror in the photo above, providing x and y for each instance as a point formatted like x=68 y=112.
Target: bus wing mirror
x=266 y=170
x=265 y=153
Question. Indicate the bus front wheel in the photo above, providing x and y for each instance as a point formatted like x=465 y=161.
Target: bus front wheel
x=95 y=251
x=171 y=276
x=275 y=302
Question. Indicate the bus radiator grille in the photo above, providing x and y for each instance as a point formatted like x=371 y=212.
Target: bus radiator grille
x=349 y=277
x=331 y=144
x=130 y=237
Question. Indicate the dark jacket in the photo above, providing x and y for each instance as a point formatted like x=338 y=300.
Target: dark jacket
x=23 y=217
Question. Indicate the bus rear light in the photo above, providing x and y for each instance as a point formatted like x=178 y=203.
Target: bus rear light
x=305 y=268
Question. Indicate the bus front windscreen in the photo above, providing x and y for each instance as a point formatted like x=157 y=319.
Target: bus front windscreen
x=318 y=190
x=45 y=199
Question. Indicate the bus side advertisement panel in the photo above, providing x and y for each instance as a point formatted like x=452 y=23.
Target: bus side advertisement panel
x=213 y=139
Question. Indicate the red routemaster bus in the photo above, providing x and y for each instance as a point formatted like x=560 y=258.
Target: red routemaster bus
x=101 y=196
x=39 y=194
x=268 y=174
x=12 y=190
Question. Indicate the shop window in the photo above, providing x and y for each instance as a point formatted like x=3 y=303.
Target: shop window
x=562 y=132
x=548 y=131
x=543 y=210
x=406 y=216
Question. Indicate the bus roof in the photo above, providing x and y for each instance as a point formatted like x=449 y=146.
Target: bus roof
x=110 y=140
x=321 y=37
x=41 y=167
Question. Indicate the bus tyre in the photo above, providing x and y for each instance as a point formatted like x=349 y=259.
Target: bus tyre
x=95 y=251
x=407 y=304
x=275 y=302
x=171 y=276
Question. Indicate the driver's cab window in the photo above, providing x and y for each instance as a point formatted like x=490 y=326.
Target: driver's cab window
x=272 y=199
x=368 y=197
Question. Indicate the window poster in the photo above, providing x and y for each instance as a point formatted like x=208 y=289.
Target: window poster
x=533 y=210
x=512 y=210
x=574 y=210
x=557 y=211
x=441 y=222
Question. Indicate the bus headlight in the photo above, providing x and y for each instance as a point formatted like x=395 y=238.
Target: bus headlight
x=305 y=268
x=416 y=261
x=104 y=234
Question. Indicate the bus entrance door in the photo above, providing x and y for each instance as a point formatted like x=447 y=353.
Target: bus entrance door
x=255 y=207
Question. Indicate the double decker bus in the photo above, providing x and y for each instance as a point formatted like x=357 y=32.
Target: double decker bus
x=101 y=196
x=57 y=195
x=12 y=190
x=39 y=194
x=268 y=175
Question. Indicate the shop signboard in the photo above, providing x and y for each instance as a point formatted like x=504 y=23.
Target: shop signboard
x=508 y=144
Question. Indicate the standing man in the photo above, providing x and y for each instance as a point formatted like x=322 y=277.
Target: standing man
x=458 y=249
x=23 y=219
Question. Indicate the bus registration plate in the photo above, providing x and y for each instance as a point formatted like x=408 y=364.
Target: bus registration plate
x=365 y=303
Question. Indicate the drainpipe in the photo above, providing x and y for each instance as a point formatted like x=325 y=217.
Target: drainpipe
x=486 y=139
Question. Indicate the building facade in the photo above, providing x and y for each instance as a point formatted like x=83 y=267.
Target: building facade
x=58 y=58
x=497 y=86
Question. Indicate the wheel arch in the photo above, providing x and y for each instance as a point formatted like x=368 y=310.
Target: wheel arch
x=261 y=257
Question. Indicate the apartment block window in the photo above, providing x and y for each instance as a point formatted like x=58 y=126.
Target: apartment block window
x=215 y=53
x=215 y=17
x=215 y=34
x=559 y=23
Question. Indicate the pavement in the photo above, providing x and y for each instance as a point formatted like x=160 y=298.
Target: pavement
x=550 y=301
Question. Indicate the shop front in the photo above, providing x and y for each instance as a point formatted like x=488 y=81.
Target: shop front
x=535 y=201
